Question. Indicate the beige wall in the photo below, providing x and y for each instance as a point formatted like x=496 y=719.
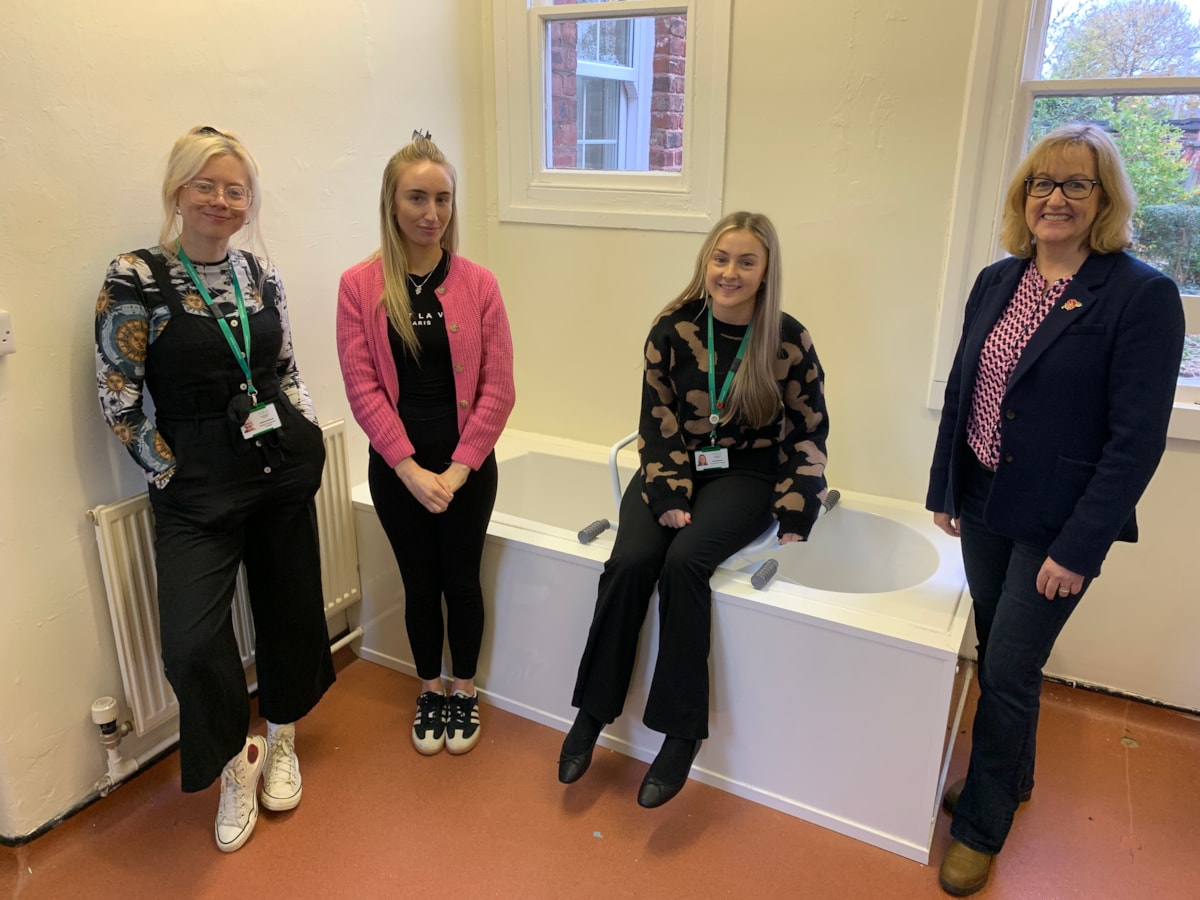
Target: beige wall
x=843 y=125
x=94 y=95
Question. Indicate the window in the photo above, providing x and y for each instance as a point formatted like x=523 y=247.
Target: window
x=602 y=90
x=1130 y=66
x=596 y=113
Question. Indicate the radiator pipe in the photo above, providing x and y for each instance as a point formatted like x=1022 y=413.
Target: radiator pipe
x=346 y=639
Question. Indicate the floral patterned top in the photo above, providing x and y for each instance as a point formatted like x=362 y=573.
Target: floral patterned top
x=130 y=315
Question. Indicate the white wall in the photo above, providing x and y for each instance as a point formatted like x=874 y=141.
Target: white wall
x=843 y=125
x=94 y=95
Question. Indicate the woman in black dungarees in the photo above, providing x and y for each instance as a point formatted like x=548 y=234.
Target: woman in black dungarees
x=234 y=456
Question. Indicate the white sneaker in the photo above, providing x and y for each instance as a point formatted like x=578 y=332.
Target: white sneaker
x=238 y=812
x=281 y=777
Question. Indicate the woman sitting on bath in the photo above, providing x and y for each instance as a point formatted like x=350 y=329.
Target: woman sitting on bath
x=732 y=428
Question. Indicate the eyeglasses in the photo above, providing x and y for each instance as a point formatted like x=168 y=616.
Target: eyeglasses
x=418 y=133
x=1075 y=189
x=236 y=196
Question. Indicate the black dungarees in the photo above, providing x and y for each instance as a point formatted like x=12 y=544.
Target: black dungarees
x=230 y=501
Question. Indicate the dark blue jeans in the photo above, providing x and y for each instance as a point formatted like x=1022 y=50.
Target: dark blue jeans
x=1017 y=627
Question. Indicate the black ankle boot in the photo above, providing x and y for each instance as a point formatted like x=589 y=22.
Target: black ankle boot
x=669 y=771
x=577 y=748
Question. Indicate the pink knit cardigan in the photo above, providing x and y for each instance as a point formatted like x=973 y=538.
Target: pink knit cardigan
x=480 y=350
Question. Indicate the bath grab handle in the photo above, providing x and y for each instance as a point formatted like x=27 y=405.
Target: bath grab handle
x=613 y=471
x=763 y=574
x=589 y=533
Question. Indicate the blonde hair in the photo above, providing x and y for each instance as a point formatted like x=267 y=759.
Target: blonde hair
x=754 y=393
x=391 y=246
x=190 y=154
x=1113 y=228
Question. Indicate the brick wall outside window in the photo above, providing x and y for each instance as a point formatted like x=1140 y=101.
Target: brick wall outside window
x=666 y=101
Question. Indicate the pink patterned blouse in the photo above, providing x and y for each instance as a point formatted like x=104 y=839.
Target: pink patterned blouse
x=1030 y=304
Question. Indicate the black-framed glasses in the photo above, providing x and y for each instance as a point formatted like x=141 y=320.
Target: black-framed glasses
x=1074 y=189
x=418 y=133
x=236 y=196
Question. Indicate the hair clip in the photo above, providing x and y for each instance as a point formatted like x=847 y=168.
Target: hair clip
x=418 y=133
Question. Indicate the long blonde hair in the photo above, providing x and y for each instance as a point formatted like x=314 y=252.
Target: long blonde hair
x=754 y=393
x=1112 y=229
x=190 y=154
x=391 y=245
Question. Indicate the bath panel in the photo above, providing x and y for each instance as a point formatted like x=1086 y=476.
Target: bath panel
x=833 y=691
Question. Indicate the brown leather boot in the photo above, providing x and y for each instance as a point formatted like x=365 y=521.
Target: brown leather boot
x=964 y=871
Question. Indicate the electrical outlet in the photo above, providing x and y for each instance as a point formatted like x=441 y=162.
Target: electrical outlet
x=7 y=343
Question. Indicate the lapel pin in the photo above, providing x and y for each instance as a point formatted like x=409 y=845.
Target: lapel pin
x=1072 y=304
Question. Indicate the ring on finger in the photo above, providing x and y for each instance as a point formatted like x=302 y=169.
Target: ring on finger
x=1063 y=592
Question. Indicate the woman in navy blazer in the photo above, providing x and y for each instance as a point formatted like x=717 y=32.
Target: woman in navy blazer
x=1055 y=417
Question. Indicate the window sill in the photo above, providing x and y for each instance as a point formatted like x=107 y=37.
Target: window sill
x=1185 y=422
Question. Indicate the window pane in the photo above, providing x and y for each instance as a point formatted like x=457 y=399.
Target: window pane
x=606 y=41
x=599 y=114
x=619 y=81
x=1122 y=39
x=1159 y=139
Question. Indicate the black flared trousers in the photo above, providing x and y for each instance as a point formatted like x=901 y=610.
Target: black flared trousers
x=223 y=508
x=728 y=512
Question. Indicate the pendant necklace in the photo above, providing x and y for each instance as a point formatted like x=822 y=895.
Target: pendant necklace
x=418 y=285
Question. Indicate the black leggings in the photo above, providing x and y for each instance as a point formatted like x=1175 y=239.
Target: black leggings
x=438 y=554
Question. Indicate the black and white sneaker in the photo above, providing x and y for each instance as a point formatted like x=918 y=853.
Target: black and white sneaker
x=462 y=722
x=429 y=726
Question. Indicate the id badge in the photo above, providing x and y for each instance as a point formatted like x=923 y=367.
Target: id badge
x=711 y=458
x=262 y=418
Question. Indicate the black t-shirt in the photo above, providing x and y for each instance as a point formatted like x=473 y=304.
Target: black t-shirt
x=426 y=383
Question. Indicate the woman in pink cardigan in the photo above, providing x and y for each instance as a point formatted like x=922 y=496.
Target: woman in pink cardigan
x=426 y=355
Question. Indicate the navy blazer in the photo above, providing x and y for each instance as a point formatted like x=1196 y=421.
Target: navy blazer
x=1084 y=417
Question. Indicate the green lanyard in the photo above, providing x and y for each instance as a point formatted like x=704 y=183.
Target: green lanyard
x=717 y=403
x=240 y=355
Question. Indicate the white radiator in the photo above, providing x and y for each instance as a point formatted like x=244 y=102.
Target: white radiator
x=125 y=535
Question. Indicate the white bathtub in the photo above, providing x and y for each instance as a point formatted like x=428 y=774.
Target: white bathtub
x=834 y=692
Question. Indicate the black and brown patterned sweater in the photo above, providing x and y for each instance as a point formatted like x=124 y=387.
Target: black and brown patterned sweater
x=676 y=406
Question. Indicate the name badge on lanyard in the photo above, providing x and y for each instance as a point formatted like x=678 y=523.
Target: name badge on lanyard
x=262 y=417
x=712 y=456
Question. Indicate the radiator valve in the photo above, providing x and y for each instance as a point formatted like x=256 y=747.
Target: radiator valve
x=105 y=714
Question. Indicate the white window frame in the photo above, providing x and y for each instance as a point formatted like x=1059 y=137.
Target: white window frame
x=1002 y=84
x=633 y=114
x=528 y=191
